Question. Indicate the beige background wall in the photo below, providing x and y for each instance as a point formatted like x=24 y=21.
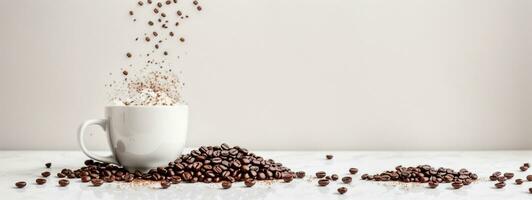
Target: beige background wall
x=285 y=74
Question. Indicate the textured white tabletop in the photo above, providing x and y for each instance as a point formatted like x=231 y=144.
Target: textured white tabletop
x=27 y=165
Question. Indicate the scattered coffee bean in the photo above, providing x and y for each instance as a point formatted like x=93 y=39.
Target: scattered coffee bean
x=128 y=55
x=155 y=10
x=288 y=178
x=63 y=182
x=500 y=184
x=523 y=168
x=140 y=3
x=159 y=4
x=195 y=2
x=433 y=184
x=20 y=184
x=334 y=177
x=165 y=184
x=155 y=34
x=130 y=12
x=226 y=184
x=347 y=179
x=97 y=182
x=328 y=177
x=342 y=190
x=171 y=34
x=199 y=8
x=40 y=181
x=329 y=157
x=168 y=2
x=249 y=182
x=165 y=53
x=501 y=178
x=179 y=13
x=518 y=181
x=45 y=174
x=61 y=175
x=300 y=174
x=320 y=174
x=323 y=182
x=457 y=185
x=182 y=39
x=125 y=73
x=147 y=39
x=150 y=23
x=493 y=178
x=529 y=178
x=48 y=165
x=353 y=170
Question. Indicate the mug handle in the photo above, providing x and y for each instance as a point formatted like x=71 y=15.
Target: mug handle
x=102 y=123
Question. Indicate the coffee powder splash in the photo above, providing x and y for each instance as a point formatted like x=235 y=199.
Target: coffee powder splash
x=149 y=79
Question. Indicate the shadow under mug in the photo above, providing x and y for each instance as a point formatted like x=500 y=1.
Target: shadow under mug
x=141 y=137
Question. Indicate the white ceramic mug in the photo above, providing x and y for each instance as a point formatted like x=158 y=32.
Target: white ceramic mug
x=141 y=137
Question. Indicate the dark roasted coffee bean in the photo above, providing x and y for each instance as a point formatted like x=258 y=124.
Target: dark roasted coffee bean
x=199 y=8
x=45 y=174
x=140 y=3
x=40 y=181
x=195 y=2
x=433 y=184
x=300 y=174
x=529 y=178
x=347 y=179
x=97 y=182
x=20 y=184
x=353 y=170
x=288 y=178
x=497 y=174
x=530 y=190
x=523 y=168
x=85 y=179
x=320 y=174
x=328 y=177
x=518 y=181
x=128 y=55
x=500 y=184
x=493 y=178
x=89 y=162
x=334 y=177
x=526 y=164
x=63 y=182
x=509 y=175
x=457 y=185
x=329 y=157
x=60 y=175
x=249 y=182
x=165 y=184
x=48 y=165
x=182 y=39
x=501 y=178
x=226 y=184
x=342 y=190
x=323 y=182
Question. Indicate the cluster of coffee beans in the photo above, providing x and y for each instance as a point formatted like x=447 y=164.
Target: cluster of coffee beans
x=324 y=179
x=426 y=174
x=501 y=178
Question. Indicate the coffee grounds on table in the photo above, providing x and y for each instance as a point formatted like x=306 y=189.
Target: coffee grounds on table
x=206 y=164
x=424 y=174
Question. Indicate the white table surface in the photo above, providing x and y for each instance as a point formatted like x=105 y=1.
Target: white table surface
x=27 y=165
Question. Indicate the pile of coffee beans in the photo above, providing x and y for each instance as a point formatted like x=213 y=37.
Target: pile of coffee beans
x=425 y=174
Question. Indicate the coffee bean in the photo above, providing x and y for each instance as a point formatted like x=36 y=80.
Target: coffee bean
x=20 y=184
x=85 y=179
x=323 y=182
x=165 y=53
x=500 y=184
x=300 y=174
x=288 y=178
x=518 y=181
x=155 y=10
x=179 y=13
x=342 y=190
x=165 y=184
x=334 y=177
x=159 y=4
x=149 y=1
x=45 y=174
x=493 y=178
x=97 y=182
x=150 y=23
x=168 y=2
x=347 y=179
x=48 y=165
x=328 y=177
x=457 y=185
x=61 y=175
x=130 y=12
x=497 y=174
x=320 y=174
x=329 y=157
x=40 y=181
x=195 y=2
x=147 y=39
x=353 y=170
x=128 y=55
x=171 y=34
x=249 y=182
x=501 y=178
x=530 y=190
x=182 y=39
x=140 y=3
x=433 y=184
x=529 y=178
x=526 y=164
x=523 y=168
x=199 y=8
x=63 y=182
x=226 y=184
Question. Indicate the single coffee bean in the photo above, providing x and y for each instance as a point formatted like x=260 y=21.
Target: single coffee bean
x=249 y=182
x=501 y=178
x=48 y=165
x=165 y=53
x=20 y=184
x=40 y=181
x=329 y=157
x=323 y=182
x=500 y=184
x=526 y=164
x=497 y=174
x=493 y=178
x=199 y=8
x=530 y=190
x=128 y=55
x=353 y=170
x=457 y=185
x=334 y=177
x=288 y=178
x=165 y=184
x=226 y=184
x=159 y=4
x=347 y=179
x=63 y=182
x=140 y=3
x=179 y=13
x=523 y=168
x=328 y=177
x=195 y=2
x=509 y=175
x=300 y=174
x=130 y=12
x=97 y=182
x=45 y=174
x=518 y=181
x=320 y=174
x=433 y=184
x=182 y=39
x=85 y=179
x=61 y=175
x=342 y=190
x=529 y=178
